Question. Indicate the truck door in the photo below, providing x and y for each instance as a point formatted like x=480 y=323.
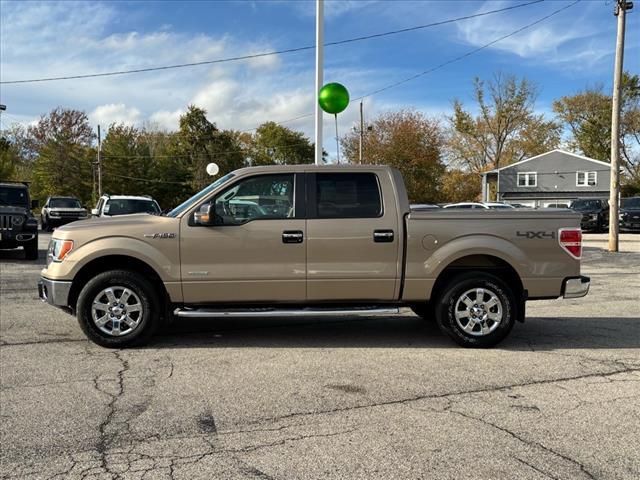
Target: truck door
x=353 y=248
x=256 y=252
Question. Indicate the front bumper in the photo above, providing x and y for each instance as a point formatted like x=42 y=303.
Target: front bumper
x=54 y=292
x=575 y=287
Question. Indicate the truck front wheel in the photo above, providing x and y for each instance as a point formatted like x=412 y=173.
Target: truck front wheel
x=476 y=309
x=118 y=308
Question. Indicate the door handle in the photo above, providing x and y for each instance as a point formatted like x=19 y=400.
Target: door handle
x=383 y=236
x=292 y=236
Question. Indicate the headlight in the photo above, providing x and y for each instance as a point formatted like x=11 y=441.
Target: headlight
x=54 y=214
x=84 y=214
x=17 y=220
x=59 y=249
x=621 y=216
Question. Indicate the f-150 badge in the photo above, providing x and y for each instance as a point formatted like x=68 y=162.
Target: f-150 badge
x=160 y=235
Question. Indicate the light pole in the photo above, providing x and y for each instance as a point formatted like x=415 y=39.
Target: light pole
x=620 y=11
x=319 y=77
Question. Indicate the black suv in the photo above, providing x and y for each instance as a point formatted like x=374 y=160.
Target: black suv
x=18 y=226
x=630 y=214
x=595 y=213
x=59 y=211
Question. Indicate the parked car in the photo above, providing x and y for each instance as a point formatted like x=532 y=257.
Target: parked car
x=594 y=211
x=467 y=205
x=113 y=205
x=423 y=206
x=59 y=211
x=18 y=226
x=498 y=205
x=349 y=246
x=630 y=214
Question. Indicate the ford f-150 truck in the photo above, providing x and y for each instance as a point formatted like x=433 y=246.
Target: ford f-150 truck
x=312 y=241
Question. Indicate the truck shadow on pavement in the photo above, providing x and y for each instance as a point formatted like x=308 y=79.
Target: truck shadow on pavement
x=537 y=333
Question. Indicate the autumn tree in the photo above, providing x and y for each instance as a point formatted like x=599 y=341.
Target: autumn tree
x=62 y=144
x=409 y=141
x=505 y=130
x=460 y=186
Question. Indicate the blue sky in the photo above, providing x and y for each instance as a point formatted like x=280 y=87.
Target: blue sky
x=562 y=56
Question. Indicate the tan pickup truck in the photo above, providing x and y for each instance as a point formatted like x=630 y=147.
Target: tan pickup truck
x=311 y=241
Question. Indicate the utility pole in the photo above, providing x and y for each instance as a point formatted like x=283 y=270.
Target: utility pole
x=620 y=11
x=319 y=76
x=361 y=133
x=99 y=164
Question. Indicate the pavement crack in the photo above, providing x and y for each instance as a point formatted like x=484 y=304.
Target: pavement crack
x=533 y=467
x=529 y=443
x=443 y=395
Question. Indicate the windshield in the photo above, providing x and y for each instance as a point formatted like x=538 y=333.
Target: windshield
x=200 y=195
x=16 y=197
x=585 y=205
x=126 y=206
x=631 y=202
x=64 y=203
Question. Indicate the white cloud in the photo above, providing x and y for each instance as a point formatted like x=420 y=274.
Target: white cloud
x=115 y=113
x=569 y=37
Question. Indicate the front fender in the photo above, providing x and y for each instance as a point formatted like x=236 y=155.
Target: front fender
x=165 y=262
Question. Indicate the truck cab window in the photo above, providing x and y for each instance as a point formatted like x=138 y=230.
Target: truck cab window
x=348 y=195
x=256 y=198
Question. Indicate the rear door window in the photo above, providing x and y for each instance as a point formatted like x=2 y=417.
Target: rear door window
x=348 y=195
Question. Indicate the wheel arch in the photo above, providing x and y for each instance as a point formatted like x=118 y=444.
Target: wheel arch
x=113 y=262
x=485 y=263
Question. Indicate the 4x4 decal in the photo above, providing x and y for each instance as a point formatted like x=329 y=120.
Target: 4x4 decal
x=530 y=235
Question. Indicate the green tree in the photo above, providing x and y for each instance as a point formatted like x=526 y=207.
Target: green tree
x=409 y=141
x=8 y=160
x=274 y=144
x=505 y=130
x=198 y=142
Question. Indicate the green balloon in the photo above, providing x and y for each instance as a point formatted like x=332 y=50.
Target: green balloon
x=333 y=98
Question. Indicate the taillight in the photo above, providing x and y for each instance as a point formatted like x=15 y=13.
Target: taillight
x=571 y=240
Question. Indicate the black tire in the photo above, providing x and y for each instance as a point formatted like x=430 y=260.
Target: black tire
x=453 y=292
x=425 y=311
x=45 y=224
x=149 y=299
x=31 y=249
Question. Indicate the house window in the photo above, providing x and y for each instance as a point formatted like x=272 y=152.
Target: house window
x=586 y=179
x=527 y=179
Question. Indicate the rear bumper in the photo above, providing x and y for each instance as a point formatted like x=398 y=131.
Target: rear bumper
x=54 y=292
x=575 y=287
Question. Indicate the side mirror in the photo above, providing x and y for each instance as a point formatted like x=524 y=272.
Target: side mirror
x=205 y=215
x=35 y=204
x=94 y=212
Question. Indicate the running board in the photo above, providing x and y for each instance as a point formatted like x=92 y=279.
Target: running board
x=271 y=312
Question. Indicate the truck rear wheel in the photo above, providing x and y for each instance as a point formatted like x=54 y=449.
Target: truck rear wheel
x=476 y=309
x=118 y=308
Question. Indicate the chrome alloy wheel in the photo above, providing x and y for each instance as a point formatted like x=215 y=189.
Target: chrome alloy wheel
x=478 y=311
x=116 y=311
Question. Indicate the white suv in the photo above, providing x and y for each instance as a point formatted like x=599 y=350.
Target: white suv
x=111 y=205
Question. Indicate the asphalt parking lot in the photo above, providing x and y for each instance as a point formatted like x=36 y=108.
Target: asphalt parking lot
x=339 y=398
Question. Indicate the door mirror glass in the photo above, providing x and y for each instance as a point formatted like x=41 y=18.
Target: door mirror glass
x=94 y=211
x=205 y=215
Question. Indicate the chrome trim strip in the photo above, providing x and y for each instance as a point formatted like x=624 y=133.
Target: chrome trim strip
x=211 y=313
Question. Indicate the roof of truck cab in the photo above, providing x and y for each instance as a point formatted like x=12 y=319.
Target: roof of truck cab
x=309 y=168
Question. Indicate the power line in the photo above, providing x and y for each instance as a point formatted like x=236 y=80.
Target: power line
x=266 y=54
x=467 y=54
